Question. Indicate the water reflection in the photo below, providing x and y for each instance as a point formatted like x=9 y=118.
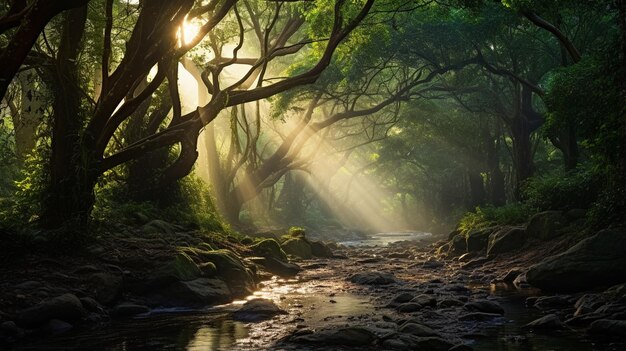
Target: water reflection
x=222 y=337
x=384 y=239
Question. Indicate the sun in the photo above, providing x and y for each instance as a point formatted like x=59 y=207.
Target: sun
x=188 y=31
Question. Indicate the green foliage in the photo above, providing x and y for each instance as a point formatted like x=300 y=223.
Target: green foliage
x=559 y=190
x=483 y=217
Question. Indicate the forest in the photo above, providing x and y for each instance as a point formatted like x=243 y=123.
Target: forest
x=313 y=174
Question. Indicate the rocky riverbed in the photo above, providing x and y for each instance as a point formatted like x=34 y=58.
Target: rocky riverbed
x=400 y=297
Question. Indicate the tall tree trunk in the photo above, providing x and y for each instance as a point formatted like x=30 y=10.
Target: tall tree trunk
x=73 y=169
x=477 y=188
x=522 y=151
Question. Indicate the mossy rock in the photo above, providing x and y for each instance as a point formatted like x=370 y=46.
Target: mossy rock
x=231 y=268
x=319 y=249
x=297 y=232
x=184 y=267
x=298 y=247
x=269 y=248
x=478 y=239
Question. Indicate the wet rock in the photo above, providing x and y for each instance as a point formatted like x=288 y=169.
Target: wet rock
x=582 y=320
x=486 y=306
x=467 y=257
x=106 y=286
x=520 y=281
x=91 y=305
x=461 y=347
x=506 y=239
x=298 y=247
x=351 y=336
x=450 y=302
x=417 y=330
x=479 y=316
x=201 y=291
x=56 y=326
x=370 y=260
x=608 y=327
x=231 y=269
x=409 y=307
x=477 y=239
x=128 y=310
x=547 y=322
x=257 y=310
x=432 y=264
x=510 y=276
x=402 y=297
x=552 y=302
x=588 y=303
x=373 y=278
x=319 y=249
x=66 y=307
x=280 y=268
x=425 y=300
x=269 y=248
x=579 y=268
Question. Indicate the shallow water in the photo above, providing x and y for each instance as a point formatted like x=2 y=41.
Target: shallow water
x=384 y=239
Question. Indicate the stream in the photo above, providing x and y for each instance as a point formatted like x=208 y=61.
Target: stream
x=321 y=296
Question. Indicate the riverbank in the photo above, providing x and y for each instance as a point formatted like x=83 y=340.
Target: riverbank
x=403 y=296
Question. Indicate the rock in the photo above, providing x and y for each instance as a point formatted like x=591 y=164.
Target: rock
x=450 y=302
x=372 y=278
x=576 y=214
x=425 y=300
x=106 y=286
x=66 y=307
x=269 y=248
x=128 y=310
x=458 y=245
x=608 y=327
x=417 y=329
x=476 y=262
x=520 y=281
x=402 y=297
x=453 y=233
x=461 y=347
x=91 y=305
x=275 y=266
x=486 y=306
x=298 y=247
x=432 y=264
x=201 y=291
x=552 y=302
x=409 y=307
x=56 y=326
x=505 y=240
x=257 y=310
x=477 y=239
x=546 y=225
x=319 y=249
x=588 y=303
x=580 y=268
x=231 y=269
x=350 y=336
x=547 y=322
x=479 y=316
x=11 y=329
x=510 y=276
x=467 y=257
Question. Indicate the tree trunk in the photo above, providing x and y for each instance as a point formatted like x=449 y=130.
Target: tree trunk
x=477 y=188
x=73 y=166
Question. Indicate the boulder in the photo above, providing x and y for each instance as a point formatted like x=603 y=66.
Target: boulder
x=350 y=336
x=506 y=239
x=298 y=247
x=106 y=286
x=231 y=269
x=425 y=300
x=417 y=329
x=458 y=245
x=319 y=249
x=593 y=262
x=409 y=307
x=201 y=291
x=477 y=239
x=402 y=297
x=257 y=310
x=269 y=248
x=486 y=306
x=372 y=278
x=56 y=326
x=66 y=307
x=546 y=225
x=547 y=322
x=278 y=267
x=608 y=327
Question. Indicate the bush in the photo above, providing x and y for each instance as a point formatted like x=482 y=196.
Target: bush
x=488 y=216
x=561 y=190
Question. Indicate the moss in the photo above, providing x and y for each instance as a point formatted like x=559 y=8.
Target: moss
x=298 y=247
x=269 y=248
x=184 y=267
